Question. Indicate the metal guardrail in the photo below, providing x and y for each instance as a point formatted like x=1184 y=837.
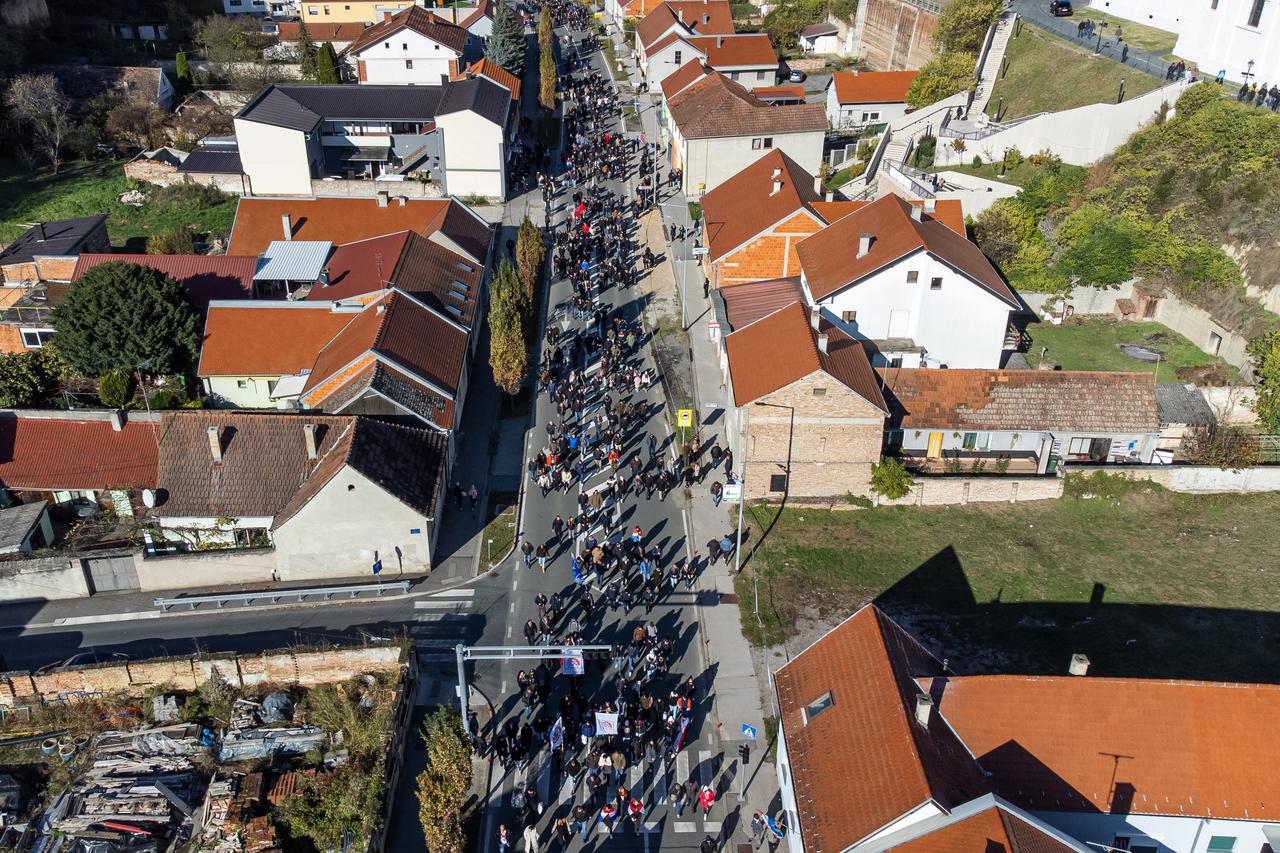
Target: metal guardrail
x=275 y=595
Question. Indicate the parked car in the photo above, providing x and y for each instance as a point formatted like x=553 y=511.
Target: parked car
x=1060 y=8
x=797 y=77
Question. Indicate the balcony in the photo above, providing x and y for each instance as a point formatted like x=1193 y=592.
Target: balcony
x=1007 y=462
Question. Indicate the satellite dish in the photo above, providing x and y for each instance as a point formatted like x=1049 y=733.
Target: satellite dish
x=149 y=498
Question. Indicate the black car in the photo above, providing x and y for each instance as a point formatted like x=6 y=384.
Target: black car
x=1060 y=8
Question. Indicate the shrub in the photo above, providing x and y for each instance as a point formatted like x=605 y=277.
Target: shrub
x=926 y=147
x=115 y=388
x=176 y=240
x=890 y=479
x=27 y=378
x=977 y=161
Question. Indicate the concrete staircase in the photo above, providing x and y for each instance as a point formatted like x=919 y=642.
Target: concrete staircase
x=990 y=70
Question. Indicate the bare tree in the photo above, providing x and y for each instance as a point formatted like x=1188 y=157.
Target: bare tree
x=38 y=103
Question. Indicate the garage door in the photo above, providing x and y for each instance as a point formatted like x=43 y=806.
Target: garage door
x=111 y=574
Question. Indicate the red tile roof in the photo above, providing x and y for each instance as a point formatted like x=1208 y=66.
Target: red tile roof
x=204 y=277
x=266 y=338
x=421 y=22
x=746 y=205
x=1124 y=746
x=360 y=267
x=495 y=72
x=753 y=300
x=782 y=348
x=948 y=211
x=992 y=830
x=865 y=761
x=736 y=51
x=338 y=220
x=716 y=107
x=320 y=32
x=872 y=87
x=1076 y=400
x=682 y=78
x=705 y=17
x=830 y=262
x=49 y=453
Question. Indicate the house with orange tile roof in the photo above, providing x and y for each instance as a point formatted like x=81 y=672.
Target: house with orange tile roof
x=411 y=47
x=680 y=18
x=882 y=748
x=917 y=293
x=748 y=58
x=753 y=222
x=857 y=99
x=1020 y=421
x=805 y=399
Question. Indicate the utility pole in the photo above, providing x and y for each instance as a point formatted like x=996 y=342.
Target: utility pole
x=742 y=478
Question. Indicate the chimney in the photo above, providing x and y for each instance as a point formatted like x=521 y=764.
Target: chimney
x=215 y=444
x=1079 y=665
x=383 y=197
x=822 y=343
x=286 y=223
x=916 y=209
x=40 y=231
x=386 y=16
x=817 y=184
x=930 y=206
x=680 y=15
x=924 y=709
x=382 y=306
x=719 y=39
x=117 y=419
x=864 y=244
x=777 y=187
x=855 y=72
x=309 y=434
x=777 y=172
x=404 y=199
x=815 y=316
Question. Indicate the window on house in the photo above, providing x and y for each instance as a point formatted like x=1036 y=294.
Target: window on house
x=912 y=276
x=866 y=117
x=893 y=437
x=759 y=76
x=822 y=445
x=36 y=338
x=408 y=64
x=386 y=45
x=235 y=2
x=817 y=706
x=819 y=392
x=242 y=383
x=1255 y=13
x=1135 y=845
x=756 y=144
x=895 y=361
x=984 y=440
x=311 y=10
x=326 y=10
x=679 y=57
x=849 y=316
x=1221 y=844
x=404 y=45
x=935 y=284
x=970 y=440
x=768 y=142
x=777 y=482
x=1078 y=446
x=733 y=75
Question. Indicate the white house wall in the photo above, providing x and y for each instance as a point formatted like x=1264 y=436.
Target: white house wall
x=668 y=61
x=385 y=60
x=474 y=155
x=275 y=158
x=850 y=115
x=351 y=522
x=711 y=162
x=1173 y=834
x=961 y=325
x=256 y=393
x=786 y=786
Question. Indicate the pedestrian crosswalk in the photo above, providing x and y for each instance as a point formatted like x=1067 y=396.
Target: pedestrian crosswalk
x=439 y=624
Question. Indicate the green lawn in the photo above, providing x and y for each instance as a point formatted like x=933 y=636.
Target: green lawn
x=1140 y=36
x=1019 y=175
x=500 y=532
x=1145 y=582
x=83 y=189
x=1091 y=344
x=1047 y=73
x=843 y=176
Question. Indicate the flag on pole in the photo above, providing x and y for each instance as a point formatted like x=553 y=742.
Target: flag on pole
x=572 y=663
x=606 y=724
x=557 y=734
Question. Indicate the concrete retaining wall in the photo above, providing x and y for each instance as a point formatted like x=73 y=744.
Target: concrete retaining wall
x=1084 y=300
x=199 y=568
x=42 y=579
x=285 y=668
x=939 y=491
x=410 y=187
x=1196 y=479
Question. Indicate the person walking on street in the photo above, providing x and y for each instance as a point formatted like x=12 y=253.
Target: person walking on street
x=531 y=839
x=581 y=821
x=708 y=845
x=707 y=798
x=542 y=556
x=678 y=799
x=527 y=550
x=607 y=816
x=457 y=493
x=557 y=528
x=758 y=827
x=504 y=840
x=717 y=492
x=474 y=495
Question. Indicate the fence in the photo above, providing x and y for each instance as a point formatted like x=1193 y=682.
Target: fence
x=1116 y=49
x=1194 y=479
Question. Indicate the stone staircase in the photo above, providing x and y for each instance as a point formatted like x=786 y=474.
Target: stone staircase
x=990 y=70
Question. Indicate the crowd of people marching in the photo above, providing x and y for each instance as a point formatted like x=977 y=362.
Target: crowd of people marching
x=593 y=373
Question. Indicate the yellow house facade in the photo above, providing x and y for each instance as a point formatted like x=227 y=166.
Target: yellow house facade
x=350 y=11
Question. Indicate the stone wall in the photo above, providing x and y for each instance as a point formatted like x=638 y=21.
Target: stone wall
x=1084 y=300
x=1195 y=479
x=366 y=189
x=894 y=35
x=937 y=491
x=42 y=579
x=133 y=678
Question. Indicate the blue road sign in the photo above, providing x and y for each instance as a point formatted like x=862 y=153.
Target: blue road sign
x=749 y=731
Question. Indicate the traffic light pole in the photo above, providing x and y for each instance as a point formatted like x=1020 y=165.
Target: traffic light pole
x=466 y=653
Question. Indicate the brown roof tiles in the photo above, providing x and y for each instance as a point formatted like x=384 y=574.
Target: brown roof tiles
x=716 y=106
x=753 y=300
x=682 y=78
x=1075 y=400
x=708 y=18
x=53 y=453
x=865 y=761
x=421 y=22
x=338 y=220
x=748 y=203
x=992 y=830
x=779 y=349
x=872 y=87
x=830 y=262
x=736 y=51
x=484 y=67
x=266 y=338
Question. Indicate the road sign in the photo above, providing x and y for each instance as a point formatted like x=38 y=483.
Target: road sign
x=699 y=251
x=749 y=731
x=684 y=418
x=732 y=493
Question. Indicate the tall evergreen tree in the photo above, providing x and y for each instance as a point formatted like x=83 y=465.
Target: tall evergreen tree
x=327 y=64
x=306 y=52
x=506 y=43
x=547 y=79
x=182 y=72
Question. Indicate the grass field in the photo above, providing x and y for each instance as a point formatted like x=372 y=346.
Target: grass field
x=1092 y=345
x=1140 y=36
x=1047 y=73
x=84 y=189
x=1018 y=175
x=843 y=176
x=1145 y=582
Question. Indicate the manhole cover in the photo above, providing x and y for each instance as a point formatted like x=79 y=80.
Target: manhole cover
x=1140 y=353
x=728 y=598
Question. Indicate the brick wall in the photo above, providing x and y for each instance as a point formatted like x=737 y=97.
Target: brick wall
x=11 y=339
x=937 y=491
x=833 y=441
x=303 y=668
x=770 y=255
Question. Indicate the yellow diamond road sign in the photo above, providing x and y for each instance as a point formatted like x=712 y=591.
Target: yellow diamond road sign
x=684 y=417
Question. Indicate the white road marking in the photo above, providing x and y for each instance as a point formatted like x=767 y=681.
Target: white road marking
x=682 y=767
x=684 y=826
x=711 y=827
x=704 y=766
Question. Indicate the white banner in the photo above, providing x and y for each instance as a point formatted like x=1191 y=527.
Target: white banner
x=606 y=724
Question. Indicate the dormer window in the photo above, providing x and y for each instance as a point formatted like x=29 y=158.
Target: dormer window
x=817 y=706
